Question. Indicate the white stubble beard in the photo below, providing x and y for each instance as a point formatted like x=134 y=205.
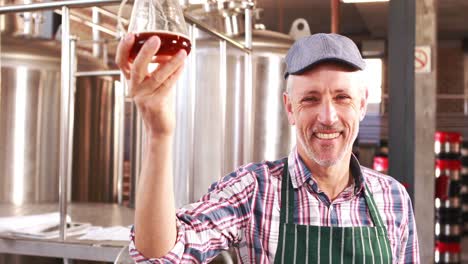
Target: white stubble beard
x=324 y=163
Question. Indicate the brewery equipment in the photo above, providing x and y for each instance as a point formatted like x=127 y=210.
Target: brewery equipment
x=219 y=97
x=30 y=99
x=29 y=122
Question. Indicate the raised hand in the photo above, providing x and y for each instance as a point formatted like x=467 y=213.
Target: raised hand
x=152 y=91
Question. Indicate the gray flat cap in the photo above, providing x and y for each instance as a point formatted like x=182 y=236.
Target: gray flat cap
x=314 y=49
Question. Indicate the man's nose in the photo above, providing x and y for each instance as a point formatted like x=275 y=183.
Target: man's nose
x=327 y=114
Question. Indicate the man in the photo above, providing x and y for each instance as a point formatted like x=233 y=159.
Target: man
x=318 y=205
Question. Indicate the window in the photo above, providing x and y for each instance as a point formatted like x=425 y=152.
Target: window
x=373 y=74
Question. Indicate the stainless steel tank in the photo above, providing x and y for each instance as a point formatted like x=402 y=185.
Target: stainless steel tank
x=29 y=129
x=93 y=177
x=29 y=109
x=218 y=109
x=29 y=125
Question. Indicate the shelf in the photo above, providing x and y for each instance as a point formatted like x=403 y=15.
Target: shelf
x=98 y=214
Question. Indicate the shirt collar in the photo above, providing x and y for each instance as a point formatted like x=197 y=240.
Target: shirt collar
x=300 y=174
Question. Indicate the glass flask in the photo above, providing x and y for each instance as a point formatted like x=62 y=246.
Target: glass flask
x=163 y=18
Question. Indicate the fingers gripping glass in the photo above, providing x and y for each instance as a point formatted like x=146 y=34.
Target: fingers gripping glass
x=162 y=18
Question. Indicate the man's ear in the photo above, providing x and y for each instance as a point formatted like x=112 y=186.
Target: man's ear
x=288 y=107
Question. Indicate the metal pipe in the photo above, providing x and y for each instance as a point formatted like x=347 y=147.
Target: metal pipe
x=96 y=19
x=136 y=151
x=71 y=114
x=81 y=19
x=222 y=96
x=335 y=16
x=89 y=3
x=238 y=143
x=102 y=41
x=248 y=26
x=27 y=21
x=248 y=88
x=108 y=13
x=209 y=30
x=97 y=73
x=247 y=117
x=119 y=137
x=54 y=5
x=191 y=109
x=64 y=122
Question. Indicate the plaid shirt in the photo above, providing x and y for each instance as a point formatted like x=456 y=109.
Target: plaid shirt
x=243 y=210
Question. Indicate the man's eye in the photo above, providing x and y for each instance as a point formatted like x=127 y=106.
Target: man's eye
x=310 y=99
x=343 y=97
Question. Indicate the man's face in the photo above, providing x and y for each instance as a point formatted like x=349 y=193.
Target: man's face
x=326 y=105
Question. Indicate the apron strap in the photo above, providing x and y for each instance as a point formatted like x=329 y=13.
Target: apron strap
x=287 y=196
x=375 y=215
x=287 y=200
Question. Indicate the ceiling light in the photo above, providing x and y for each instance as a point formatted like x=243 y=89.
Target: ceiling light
x=363 y=1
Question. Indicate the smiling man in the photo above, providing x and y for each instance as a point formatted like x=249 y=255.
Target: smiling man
x=318 y=205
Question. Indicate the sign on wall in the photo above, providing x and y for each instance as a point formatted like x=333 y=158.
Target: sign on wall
x=422 y=59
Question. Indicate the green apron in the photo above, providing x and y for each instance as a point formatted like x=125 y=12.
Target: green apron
x=329 y=244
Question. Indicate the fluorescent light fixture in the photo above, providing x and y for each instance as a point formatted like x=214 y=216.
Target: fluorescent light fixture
x=362 y=1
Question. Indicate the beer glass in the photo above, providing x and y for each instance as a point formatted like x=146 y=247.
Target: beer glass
x=162 y=18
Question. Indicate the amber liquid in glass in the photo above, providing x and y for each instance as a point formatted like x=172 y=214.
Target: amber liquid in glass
x=171 y=43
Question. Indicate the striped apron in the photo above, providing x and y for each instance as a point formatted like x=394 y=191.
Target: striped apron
x=324 y=244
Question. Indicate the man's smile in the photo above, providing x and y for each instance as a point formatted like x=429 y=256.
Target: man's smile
x=327 y=136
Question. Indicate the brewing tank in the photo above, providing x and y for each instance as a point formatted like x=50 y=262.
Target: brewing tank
x=29 y=124
x=222 y=123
